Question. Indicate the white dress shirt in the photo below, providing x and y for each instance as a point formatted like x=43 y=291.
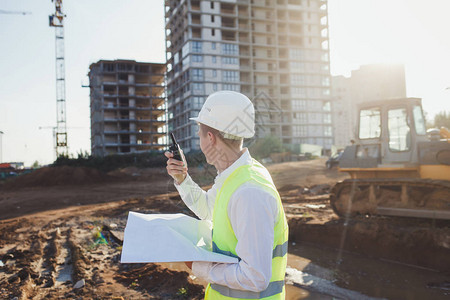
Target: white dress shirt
x=253 y=214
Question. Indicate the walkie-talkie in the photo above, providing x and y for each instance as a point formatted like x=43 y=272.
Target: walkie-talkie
x=175 y=148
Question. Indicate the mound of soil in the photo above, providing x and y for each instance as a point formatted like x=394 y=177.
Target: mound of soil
x=54 y=176
x=167 y=284
x=295 y=174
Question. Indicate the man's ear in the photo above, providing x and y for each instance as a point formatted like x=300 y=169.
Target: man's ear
x=212 y=138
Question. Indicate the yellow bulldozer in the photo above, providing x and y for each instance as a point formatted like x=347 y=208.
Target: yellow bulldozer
x=396 y=166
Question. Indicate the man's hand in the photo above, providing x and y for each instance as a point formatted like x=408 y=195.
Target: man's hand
x=188 y=264
x=175 y=168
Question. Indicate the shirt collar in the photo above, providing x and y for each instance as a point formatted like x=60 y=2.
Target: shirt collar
x=244 y=159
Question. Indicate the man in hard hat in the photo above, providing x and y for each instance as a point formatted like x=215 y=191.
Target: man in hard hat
x=243 y=204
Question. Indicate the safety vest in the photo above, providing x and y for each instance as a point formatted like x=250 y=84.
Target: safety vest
x=224 y=239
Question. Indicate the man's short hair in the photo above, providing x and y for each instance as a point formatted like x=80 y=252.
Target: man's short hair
x=231 y=140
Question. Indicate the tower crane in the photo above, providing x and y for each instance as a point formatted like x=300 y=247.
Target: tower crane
x=11 y=12
x=57 y=20
x=54 y=128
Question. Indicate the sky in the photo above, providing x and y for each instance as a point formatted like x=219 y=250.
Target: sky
x=411 y=32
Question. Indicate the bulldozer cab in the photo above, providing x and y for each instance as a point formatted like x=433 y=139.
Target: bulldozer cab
x=395 y=168
x=387 y=134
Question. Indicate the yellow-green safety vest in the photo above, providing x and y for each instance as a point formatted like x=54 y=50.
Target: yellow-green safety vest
x=224 y=239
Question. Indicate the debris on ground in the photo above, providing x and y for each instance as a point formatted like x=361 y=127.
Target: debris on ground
x=79 y=284
x=65 y=240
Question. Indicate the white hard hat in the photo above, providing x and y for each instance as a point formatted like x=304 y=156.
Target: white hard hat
x=230 y=112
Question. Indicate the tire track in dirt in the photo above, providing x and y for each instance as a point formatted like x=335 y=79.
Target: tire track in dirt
x=23 y=265
x=51 y=250
x=78 y=258
x=63 y=261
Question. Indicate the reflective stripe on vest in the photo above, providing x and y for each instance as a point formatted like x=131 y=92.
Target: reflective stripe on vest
x=224 y=239
x=275 y=287
x=228 y=253
x=279 y=251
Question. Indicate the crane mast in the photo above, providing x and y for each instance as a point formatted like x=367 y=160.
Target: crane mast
x=12 y=12
x=57 y=20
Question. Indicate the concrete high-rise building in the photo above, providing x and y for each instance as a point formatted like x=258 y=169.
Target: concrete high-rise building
x=128 y=110
x=274 y=51
x=369 y=83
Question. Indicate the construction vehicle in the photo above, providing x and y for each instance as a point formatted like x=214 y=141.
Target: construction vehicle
x=396 y=167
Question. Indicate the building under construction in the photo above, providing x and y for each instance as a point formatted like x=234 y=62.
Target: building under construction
x=274 y=51
x=128 y=111
x=368 y=83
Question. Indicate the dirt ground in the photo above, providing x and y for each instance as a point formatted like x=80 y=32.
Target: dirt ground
x=61 y=231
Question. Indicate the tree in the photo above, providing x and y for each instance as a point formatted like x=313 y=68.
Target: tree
x=35 y=165
x=262 y=148
x=442 y=119
x=83 y=155
x=428 y=123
